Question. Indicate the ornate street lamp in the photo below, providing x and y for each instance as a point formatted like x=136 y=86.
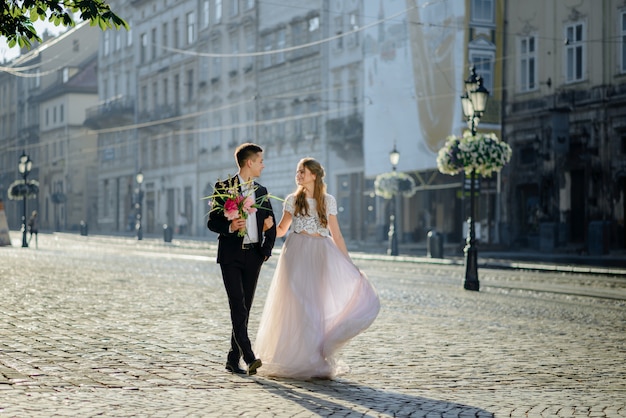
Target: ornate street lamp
x=394 y=158
x=24 y=166
x=139 y=198
x=474 y=102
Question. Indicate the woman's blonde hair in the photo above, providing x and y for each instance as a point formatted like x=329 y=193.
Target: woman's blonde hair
x=319 y=191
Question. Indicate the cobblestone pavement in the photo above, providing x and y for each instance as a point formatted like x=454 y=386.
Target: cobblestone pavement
x=97 y=326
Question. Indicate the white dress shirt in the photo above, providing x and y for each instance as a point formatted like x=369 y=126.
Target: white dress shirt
x=252 y=236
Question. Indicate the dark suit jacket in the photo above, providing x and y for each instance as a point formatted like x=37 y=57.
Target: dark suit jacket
x=229 y=244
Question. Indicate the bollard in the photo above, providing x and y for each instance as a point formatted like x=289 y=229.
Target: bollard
x=167 y=233
x=434 y=244
x=84 y=229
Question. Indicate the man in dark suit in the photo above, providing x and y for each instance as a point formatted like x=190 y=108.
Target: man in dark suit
x=241 y=257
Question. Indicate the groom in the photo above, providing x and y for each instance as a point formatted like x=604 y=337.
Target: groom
x=241 y=258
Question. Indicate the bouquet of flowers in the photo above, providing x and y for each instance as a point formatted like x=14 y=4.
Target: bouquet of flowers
x=226 y=197
x=481 y=153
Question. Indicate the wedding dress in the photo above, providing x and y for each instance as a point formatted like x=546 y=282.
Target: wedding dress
x=318 y=300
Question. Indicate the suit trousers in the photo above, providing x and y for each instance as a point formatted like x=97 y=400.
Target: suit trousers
x=240 y=279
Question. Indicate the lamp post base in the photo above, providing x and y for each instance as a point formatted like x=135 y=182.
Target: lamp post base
x=471 y=268
x=24 y=227
x=393 y=237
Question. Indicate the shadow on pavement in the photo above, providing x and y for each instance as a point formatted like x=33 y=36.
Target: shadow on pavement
x=324 y=397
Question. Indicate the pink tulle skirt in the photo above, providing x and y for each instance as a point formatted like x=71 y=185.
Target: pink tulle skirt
x=317 y=301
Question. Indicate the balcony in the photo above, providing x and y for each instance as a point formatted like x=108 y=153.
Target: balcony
x=115 y=112
x=159 y=113
x=345 y=136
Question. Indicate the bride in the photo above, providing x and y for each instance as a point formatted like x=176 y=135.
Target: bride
x=318 y=299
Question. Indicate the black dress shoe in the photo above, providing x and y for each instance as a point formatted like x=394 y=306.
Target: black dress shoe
x=253 y=366
x=234 y=368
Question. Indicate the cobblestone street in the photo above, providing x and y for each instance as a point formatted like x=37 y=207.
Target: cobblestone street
x=112 y=326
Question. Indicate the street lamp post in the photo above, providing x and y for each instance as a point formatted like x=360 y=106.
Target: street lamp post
x=474 y=102
x=24 y=166
x=139 y=198
x=394 y=157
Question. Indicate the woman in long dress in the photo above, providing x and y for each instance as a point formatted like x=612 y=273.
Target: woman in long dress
x=318 y=299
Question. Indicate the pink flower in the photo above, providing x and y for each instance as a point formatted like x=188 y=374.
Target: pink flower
x=248 y=205
x=231 y=209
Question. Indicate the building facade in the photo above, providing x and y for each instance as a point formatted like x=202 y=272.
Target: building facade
x=44 y=96
x=564 y=117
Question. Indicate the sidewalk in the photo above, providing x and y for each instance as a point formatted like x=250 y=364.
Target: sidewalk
x=613 y=263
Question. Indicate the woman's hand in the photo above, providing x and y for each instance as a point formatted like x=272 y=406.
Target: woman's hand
x=268 y=223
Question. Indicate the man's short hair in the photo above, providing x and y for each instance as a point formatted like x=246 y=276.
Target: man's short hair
x=246 y=151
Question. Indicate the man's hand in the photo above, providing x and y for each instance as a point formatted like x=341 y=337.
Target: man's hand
x=237 y=224
x=268 y=223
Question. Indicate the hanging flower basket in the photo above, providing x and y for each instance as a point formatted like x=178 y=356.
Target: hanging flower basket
x=20 y=189
x=482 y=154
x=390 y=184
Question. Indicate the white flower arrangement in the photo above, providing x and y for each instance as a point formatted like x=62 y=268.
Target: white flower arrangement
x=20 y=189
x=388 y=185
x=482 y=153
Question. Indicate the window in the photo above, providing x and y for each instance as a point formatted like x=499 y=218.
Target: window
x=314 y=24
x=143 y=48
x=66 y=74
x=574 y=52
x=176 y=33
x=164 y=35
x=250 y=123
x=482 y=11
x=280 y=124
x=176 y=149
x=61 y=116
x=267 y=47
x=154 y=43
x=118 y=40
x=218 y=11
x=129 y=34
x=217 y=60
x=339 y=31
x=280 y=46
x=176 y=91
x=234 y=123
x=234 y=50
x=623 y=39
x=189 y=147
x=297 y=120
x=106 y=40
x=528 y=64
x=166 y=92
x=190 y=28
x=249 y=4
x=314 y=117
x=144 y=98
x=216 y=138
x=190 y=86
x=483 y=62
x=206 y=13
x=234 y=8
x=155 y=95
x=353 y=39
x=250 y=48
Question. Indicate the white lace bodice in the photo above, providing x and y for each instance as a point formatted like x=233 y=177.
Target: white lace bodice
x=311 y=223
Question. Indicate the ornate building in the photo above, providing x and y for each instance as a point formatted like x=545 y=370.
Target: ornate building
x=565 y=93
